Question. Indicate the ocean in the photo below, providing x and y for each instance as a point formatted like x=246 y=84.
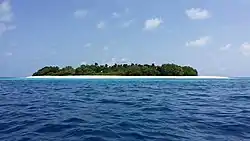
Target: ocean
x=124 y=110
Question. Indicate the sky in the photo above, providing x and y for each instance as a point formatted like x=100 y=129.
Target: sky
x=212 y=36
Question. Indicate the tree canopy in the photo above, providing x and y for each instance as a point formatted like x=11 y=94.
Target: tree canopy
x=119 y=69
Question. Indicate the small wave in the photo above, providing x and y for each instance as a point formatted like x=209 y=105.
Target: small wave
x=107 y=133
x=235 y=127
x=51 y=128
x=94 y=139
x=150 y=121
x=127 y=125
x=156 y=108
x=135 y=135
x=4 y=126
x=13 y=129
x=25 y=139
x=109 y=101
x=74 y=120
x=15 y=104
x=61 y=88
x=240 y=97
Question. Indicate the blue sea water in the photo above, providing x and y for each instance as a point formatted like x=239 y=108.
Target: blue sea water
x=124 y=110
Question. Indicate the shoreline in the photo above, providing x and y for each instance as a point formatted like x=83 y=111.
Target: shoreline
x=126 y=77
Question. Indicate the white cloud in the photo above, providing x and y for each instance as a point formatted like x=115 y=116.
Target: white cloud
x=127 y=23
x=117 y=61
x=198 y=14
x=4 y=28
x=6 y=14
x=127 y=10
x=245 y=49
x=100 y=25
x=124 y=60
x=110 y=62
x=113 y=60
x=116 y=15
x=226 y=47
x=88 y=45
x=11 y=27
x=105 y=48
x=83 y=63
x=199 y=42
x=80 y=13
x=152 y=23
x=8 y=54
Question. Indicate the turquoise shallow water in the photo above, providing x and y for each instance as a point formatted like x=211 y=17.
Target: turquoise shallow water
x=124 y=110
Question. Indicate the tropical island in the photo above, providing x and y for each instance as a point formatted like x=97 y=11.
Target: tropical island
x=119 y=70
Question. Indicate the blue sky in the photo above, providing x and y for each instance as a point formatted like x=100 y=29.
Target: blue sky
x=212 y=36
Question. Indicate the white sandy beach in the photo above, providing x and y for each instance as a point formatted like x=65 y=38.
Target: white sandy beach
x=126 y=77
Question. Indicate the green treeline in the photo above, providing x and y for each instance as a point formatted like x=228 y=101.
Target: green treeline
x=119 y=69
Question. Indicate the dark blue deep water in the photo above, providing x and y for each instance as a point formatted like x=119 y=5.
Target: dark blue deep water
x=124 y=110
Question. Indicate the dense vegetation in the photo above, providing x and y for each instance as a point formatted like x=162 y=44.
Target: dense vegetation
x=119 y=69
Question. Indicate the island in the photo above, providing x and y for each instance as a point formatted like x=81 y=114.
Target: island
x=119 y=70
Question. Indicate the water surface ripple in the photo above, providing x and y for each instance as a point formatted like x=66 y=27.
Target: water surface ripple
x=125 y=110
